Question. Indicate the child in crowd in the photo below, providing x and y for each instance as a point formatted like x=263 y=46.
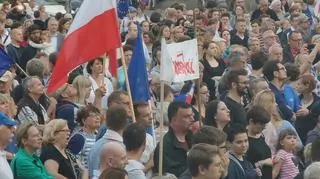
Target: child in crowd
x=286 y=165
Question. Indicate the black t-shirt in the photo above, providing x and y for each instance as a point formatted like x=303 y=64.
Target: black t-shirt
x=209 y=72
x=259 y=150
x=65 y=167
x=238 y=114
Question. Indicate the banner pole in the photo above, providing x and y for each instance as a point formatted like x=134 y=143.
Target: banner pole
x=198 y=80
x=127 y=83
x=161 y=129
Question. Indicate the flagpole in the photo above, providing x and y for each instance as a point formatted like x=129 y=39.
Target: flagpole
x=127 y=83
x=161 y=129
x=198 y=80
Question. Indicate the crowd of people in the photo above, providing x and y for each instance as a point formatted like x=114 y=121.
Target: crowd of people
x=257 y=114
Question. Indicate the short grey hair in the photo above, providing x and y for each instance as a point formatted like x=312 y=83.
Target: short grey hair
x=35 y=67
x=312 y=171
x=27 y=83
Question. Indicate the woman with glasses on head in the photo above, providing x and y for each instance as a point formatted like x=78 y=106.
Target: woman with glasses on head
x=26 y=164
x=56 y=158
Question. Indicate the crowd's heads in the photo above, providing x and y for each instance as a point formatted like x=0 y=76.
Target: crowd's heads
x=238 y=81
x=56 y=131
x=33 y=86
x=113 y=154
x=89 y=117
x=143 y=113
x=258 y=59
x=257 y=85
x=82 y=84
x=112 y=173
x=276 y=52
x=6 y=130
x=257 y=118
x=34 y=33
x=180 y=115
x=120 y=98
x=205 y=160
x=134 y=137
x=116 y=118
x=306 y=84
x=274 y=70
x=35 y=67
x=95 y=66
x=312 y=171
x=209 y=135
x=267 y=100
x=293 y=71
x=217 y=113
x=238 y=138
x=287 y=140
x=66 y=91
x=28 y=136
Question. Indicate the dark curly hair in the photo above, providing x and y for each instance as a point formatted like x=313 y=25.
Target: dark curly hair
x=85 y=112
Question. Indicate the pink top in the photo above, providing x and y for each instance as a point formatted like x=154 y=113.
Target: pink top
x=288 y=169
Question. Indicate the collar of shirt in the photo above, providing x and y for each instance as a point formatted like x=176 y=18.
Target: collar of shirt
x=113 y=135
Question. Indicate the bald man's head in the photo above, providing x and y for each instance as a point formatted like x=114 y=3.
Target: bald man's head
x=113 y=154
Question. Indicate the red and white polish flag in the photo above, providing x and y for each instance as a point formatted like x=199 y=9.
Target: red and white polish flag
x=93 y=32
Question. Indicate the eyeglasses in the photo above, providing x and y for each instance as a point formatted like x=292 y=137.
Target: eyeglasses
x=282 y=68
x=63 y=130
x=243 y=82
x=296 y=40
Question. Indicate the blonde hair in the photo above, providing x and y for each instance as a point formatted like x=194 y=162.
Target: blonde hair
x=50 y=130
x=81 y=82
x=267 y=100
x=307 y=153
x=4 y=98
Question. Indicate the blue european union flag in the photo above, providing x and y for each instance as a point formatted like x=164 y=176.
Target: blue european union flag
x=137 y=72
x=5 y=62
x=123 y=6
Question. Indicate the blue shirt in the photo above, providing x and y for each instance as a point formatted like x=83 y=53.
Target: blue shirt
x=291 y=97
x=282 y=104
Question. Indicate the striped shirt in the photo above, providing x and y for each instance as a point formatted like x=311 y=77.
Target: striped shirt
x=90 y=139
x=289 y=169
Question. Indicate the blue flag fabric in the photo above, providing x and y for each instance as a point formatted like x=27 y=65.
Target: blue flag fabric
x=123 y=6
x=137 y=72
x=5 y=62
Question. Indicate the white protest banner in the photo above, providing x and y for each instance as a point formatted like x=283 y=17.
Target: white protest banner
x=179 y=61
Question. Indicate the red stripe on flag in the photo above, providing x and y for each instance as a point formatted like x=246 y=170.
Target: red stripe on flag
x=113 y=62
x=95 y=38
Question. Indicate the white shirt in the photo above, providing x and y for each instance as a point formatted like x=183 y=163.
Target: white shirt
x=5 y=170
x=147 y=153
x=108 y=86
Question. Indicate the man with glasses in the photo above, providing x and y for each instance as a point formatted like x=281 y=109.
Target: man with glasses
x=276 y=74
x=238 y=84
x=294 y=47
